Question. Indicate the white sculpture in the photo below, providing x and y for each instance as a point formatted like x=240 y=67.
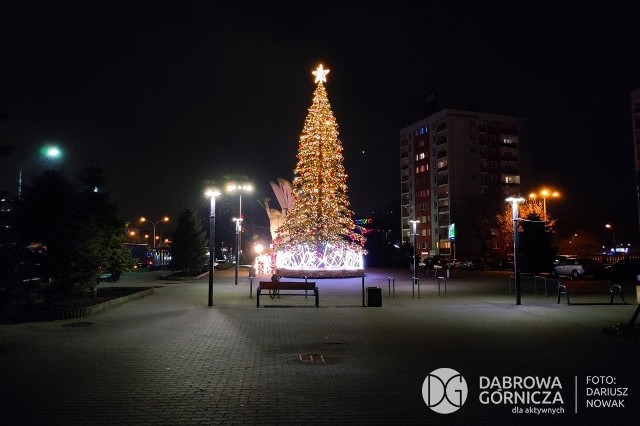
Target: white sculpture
x=282 y=190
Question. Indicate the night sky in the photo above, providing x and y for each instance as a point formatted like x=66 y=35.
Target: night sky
x=169 y=94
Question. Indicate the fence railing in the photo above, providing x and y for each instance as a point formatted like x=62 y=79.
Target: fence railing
x=609 y=260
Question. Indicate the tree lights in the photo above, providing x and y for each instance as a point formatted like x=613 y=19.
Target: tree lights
x=319 y=236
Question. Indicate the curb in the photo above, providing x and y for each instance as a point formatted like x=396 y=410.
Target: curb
x=73 y=313
x=168 y=277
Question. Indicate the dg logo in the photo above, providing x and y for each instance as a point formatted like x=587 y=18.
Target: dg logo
x=444 y=390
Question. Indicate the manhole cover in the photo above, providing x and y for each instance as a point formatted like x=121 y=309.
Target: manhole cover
x=77 y=324
x=311 y=358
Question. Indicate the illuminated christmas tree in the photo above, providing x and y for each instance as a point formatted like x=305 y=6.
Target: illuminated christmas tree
x=319 y=236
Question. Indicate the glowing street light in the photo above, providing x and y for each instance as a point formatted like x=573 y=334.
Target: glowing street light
x=239 y=188
x=164 y=219
x=212 y=193
x=544 y=194
x=609 y=226
x=414 y=232
x=238 y=221
x=47 y=151
x=516 y=245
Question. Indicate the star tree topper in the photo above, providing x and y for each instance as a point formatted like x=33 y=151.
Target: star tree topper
x=321 y=74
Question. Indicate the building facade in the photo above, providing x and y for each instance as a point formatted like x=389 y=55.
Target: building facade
x=447 y=159
x=635 y=128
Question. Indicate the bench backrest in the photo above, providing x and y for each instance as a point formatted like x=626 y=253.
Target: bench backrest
x=287 y=285
x=578 y=286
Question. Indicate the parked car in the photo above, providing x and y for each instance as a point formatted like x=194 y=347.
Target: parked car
x=578 y=267
x=475 y=264
x=624 y=270
x=454 y=264
x=502 y=263
x=430 y=262
x=560 y=257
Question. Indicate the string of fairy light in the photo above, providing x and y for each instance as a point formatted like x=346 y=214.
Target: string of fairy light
x=321 y=210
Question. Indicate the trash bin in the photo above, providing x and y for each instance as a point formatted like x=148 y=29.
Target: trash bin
x=374 y=297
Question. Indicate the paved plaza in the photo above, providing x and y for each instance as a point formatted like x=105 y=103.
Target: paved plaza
x=169 y=359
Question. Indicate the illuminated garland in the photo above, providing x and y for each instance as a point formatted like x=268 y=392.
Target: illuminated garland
x=330 y=256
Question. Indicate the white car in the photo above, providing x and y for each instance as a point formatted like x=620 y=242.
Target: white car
x=578 y=267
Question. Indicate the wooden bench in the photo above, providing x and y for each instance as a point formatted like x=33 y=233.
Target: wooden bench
x=589 y=287
x=292 y=288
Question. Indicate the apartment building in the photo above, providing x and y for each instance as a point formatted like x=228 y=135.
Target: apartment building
x=448 y=158
x=635 y=126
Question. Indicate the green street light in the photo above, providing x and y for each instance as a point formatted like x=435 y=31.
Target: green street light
x=49 y=152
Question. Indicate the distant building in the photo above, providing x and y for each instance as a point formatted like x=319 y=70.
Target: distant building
x=7 y=214
x=445 y=160
x=635 y=126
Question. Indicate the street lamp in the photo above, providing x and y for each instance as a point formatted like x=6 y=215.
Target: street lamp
x=414 y=229
x=47 y=151
x=238 y=221
x=164 y=219
x=516 y=246
x=212 y=193
x=239 y=188
x=544 y=194
x=609 y=226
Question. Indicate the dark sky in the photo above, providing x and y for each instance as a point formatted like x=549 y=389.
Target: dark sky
x=169 y=94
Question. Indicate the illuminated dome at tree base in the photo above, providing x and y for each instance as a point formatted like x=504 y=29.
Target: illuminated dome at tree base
x=320 y=273
x=322 y=260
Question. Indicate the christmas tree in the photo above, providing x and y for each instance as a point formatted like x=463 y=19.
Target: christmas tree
x=319 y=232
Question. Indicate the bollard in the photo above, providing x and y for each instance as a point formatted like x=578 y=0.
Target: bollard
x=416 y=281
x=445 y=285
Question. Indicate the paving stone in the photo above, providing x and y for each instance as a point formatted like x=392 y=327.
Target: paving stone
x=169 y=359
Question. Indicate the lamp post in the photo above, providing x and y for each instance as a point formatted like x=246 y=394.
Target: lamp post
x=238 y=221
x=212 y=193
x=609 y=226
x=239 y=188
x=164 y=219
x=516 y=246
x=414 y=229
x=47 y=151
x=544 y=194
